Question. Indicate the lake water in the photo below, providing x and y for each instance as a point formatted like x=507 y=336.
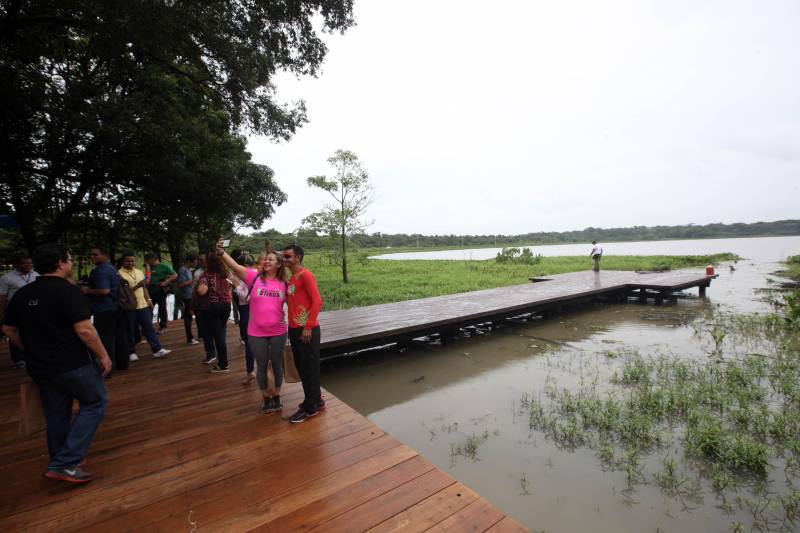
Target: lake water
x=758 y=249
x=435 y=398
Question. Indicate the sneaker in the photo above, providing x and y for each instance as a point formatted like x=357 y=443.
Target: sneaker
x=20 y=364
x=301 y=416
x=210 y=359
x=266 y=405
x=133 y=357
x=276 y=403
x=217 y=369
x=73 y=475
x=320 y=405
x=143 y=341
x=161 y=353
x=194 y=341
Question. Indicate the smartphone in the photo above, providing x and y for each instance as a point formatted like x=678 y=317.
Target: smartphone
x=226 y=243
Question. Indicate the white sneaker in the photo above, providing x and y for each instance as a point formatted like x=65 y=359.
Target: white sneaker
x=161 y=353
x=133 y=357
x=194 y=341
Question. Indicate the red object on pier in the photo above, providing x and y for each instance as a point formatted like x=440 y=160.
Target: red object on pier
x=710 y=270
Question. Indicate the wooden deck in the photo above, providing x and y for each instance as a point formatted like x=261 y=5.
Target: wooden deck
x=362 y=327
x=183 y=450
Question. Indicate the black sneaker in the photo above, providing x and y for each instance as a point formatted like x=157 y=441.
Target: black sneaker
x=72 y=475
x=209 y=359
x=320 y=405
x=301 y=416
x=218 y=369
x=276 y=403
x=266 y=405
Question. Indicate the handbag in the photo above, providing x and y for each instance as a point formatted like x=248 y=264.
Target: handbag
x=31 y=419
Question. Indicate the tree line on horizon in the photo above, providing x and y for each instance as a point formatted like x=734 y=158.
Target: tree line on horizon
x=312 y=240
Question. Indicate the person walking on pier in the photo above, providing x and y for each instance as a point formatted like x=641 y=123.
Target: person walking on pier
x=22 y=275
x=50 y=318
x=266 y=325
x=305 y=303
x=596 y=254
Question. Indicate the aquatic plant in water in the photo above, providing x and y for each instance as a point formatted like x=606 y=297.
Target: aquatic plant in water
x=736 y=418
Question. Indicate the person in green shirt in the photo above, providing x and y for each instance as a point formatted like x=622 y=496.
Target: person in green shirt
x=161 y=275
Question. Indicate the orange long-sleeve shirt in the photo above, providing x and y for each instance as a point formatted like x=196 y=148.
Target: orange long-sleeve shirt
x=304 y=300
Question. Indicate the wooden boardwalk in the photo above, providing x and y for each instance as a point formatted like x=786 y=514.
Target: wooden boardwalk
x=361 y=327
x=183 y=450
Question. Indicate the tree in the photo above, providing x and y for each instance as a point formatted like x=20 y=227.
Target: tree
x=85 y=86
x=351 y=191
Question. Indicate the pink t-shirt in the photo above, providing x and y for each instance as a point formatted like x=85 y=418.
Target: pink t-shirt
x=266 y=306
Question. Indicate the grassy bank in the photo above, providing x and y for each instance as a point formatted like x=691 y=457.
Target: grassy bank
x=381 y=281
x=793 y=264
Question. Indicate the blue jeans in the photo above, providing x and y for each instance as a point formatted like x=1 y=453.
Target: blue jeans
x=244 y=319
x=144 y=318
x=69 y=441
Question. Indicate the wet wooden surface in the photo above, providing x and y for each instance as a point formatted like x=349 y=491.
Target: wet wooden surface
x=182 y=450
x=376 y=323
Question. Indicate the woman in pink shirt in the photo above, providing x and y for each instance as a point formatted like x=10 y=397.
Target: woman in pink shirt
x=267 y=328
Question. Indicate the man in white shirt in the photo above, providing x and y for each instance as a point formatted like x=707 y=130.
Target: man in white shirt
x=596 y=254
x=22 y=275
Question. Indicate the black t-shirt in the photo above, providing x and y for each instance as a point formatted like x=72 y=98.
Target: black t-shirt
x=45 y=312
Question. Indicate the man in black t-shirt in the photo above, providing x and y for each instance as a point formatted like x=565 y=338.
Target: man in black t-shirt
x=50 y=319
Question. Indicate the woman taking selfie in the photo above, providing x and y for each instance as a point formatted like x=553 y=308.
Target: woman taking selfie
x=266 y=328
x=213 y=285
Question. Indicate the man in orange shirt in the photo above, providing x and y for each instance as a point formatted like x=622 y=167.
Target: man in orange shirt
x=305 y=304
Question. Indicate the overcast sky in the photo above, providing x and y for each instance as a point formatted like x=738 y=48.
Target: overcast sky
x=523 y=116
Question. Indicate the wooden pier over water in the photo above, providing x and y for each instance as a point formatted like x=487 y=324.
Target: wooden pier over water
x=181 y=449
x=363 y=327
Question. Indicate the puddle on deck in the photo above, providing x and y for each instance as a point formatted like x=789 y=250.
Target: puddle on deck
x=458 y=405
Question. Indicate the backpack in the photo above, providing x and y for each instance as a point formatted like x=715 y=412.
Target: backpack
x=126 y=299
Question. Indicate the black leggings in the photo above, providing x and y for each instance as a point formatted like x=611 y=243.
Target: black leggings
x=217 y=316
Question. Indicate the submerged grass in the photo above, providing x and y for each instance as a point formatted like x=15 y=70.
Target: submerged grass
x=374 y=281
x=733 y=418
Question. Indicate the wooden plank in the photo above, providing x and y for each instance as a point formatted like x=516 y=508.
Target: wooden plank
x=507 y=525
x=322 y=510
x=389 y=504
x=477 y=516
x=430 y=511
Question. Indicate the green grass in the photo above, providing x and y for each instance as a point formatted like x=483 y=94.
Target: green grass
x=374 y=281
x=793 y=263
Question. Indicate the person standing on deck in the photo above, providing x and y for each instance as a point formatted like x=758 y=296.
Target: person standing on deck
x=110 y=321
x=200 y=308
x=161 y=275
x=266 y=327
x=142 y=316
x=214 y=285
x=185 y=289
x=596 y=254
x=22 y=275
x=50 y=318
x=305 y=303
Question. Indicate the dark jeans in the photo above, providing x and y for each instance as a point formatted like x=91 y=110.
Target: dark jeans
x=187 y=315
x=112 y=326
x=217 y=324
x=142 y=318
x=160 y=300
x=69 y=441
x=306 y=359
x=204 y=332
x=244 y=319
x=17 y=354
